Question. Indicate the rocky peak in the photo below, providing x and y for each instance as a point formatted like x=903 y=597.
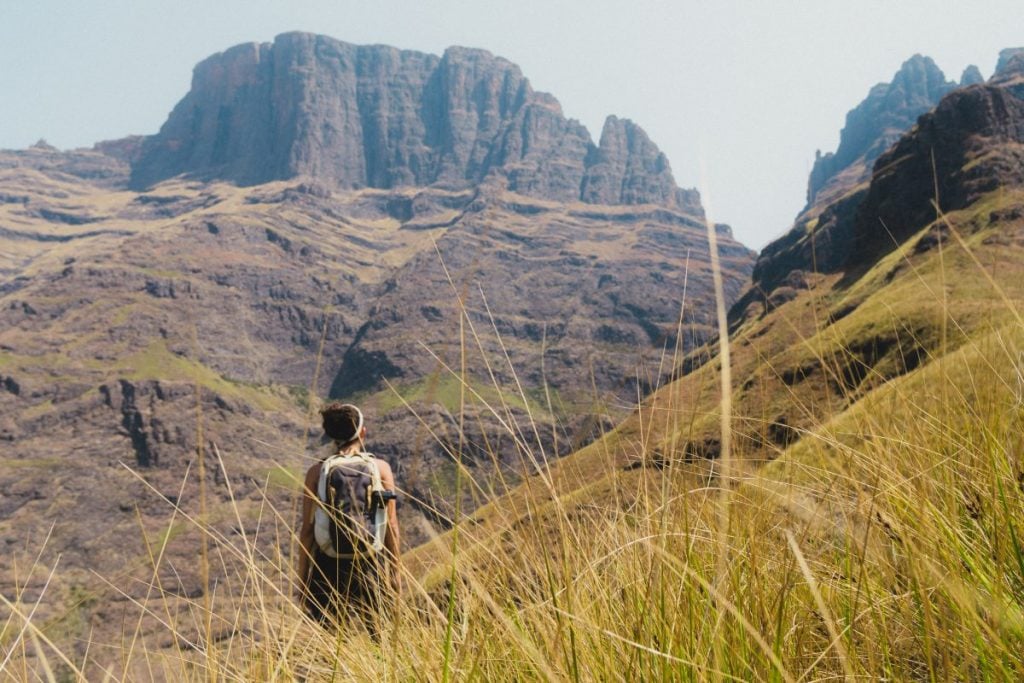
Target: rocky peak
x=1011 y=61
x=42 y=145
x=968 y=146
x=375 y=116
x=472 y=95
x=627 y=168
x=971 y=76
x=877 y=122
x=1010 y=71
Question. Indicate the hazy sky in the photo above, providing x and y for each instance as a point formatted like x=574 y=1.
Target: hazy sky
x=746 y=90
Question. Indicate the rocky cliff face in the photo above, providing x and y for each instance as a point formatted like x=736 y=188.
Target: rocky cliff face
x=1009 y=72
x=627 y=168
x=875 y=124
x=968 y=146
x=971 y=76
x=1011 y=60
x=374 y=116
x=442 y=201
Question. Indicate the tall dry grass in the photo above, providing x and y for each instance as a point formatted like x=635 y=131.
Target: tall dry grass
x=887 y=544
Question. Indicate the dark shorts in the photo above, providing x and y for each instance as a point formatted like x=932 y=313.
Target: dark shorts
x=343 y=587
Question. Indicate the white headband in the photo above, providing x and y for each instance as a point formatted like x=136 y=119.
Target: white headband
x=359 y=423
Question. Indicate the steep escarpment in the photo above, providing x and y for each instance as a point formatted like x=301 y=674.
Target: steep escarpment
x=875 y=124
x=967 y=146
x=424 y=235
x=853 y=319
x=970 y=145
x=375 y=116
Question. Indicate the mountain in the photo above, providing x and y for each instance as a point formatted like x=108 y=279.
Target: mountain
x=317 y=218
x=845 y=304
x=863 y=248
x=374 y=116
x=876 y=385
x=846 y=230
x=875 y=124
x=1009 y=72
x=971 y=76
x=1011 y=61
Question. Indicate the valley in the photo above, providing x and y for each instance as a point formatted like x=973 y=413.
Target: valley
x=528 y=320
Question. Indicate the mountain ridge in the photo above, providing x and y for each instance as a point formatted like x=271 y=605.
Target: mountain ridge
x=205 y=315
x=877 y=122
x=375 y=116
x=840 y=231
x=851 y=342
x=225 y=309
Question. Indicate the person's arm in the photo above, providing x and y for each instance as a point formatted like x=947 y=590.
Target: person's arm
x=307 y=536
x=392 y=536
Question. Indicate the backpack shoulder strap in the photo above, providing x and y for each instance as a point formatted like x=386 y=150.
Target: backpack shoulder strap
x=369 y=459
x=380 y=517
x=325 y=468
x=321 y=523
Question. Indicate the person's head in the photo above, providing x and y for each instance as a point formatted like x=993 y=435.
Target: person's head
x=343 y=422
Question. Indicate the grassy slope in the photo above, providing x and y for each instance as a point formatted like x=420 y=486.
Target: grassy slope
x=903 y=494
x=898 y=304
x=122 y=241
x=884 y=543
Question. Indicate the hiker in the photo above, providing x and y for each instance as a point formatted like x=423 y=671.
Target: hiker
x=348 y=561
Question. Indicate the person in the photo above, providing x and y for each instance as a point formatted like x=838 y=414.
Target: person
x=332 y=587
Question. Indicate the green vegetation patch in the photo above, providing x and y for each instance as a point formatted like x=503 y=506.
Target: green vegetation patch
x=300 y=395
x=285 y=476
x=166 y=535
x=31 y=463
x=37 y=410
x=447 y=391
x=160 y=272
x=157 y=362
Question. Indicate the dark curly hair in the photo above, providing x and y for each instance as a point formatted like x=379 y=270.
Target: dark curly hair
x=342 y=422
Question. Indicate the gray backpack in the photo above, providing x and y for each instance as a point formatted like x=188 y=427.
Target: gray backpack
x=352 y=517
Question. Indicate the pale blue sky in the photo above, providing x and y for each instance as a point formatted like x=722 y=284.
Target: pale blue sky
x=750 y=89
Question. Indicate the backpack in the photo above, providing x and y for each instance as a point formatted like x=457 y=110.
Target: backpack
x=352 y=517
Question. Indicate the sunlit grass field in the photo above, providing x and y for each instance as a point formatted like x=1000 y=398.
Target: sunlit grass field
x=883 y=539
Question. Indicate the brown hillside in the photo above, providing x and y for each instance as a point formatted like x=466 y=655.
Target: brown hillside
x=138 y=327
x=816 y=345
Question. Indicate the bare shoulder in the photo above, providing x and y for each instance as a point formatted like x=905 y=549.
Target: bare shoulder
x=386 y=475
x=312 y=476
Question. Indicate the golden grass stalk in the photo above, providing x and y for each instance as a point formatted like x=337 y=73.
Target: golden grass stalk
x=885 y=543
